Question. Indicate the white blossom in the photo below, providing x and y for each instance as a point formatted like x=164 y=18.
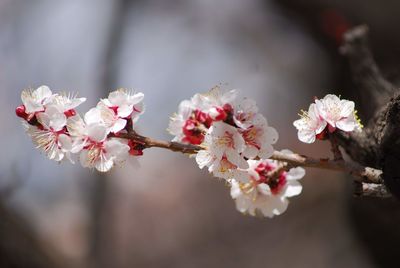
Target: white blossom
x=96 y=149
x=125 y=104
x=267 y=190
x=338 y=113
x=258 y=135
x=34 y=100
x=309 y=125
x=223 y=143
x=56 y=145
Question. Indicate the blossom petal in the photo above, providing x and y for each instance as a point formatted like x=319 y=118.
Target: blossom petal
x=293 y=188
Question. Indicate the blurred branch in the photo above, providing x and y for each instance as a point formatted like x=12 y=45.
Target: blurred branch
x=365 y=72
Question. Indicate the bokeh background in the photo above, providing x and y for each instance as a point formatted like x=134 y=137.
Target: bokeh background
x=168 y=213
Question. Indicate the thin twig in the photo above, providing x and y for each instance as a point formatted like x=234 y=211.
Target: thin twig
x=361 y=174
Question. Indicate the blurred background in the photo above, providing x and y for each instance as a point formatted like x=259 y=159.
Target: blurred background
x=168 y=213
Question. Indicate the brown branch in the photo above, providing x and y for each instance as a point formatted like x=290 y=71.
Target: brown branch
x=371 y=190
x=365 y=72
x=361 y=174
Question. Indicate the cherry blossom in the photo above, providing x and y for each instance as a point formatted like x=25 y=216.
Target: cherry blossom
x=324 y=116
x=91 y=140
x=267 y=190
x=258 y=135
x=45 y=116
x=222 y=143
x=125 y=104
x=338 y=113
x=309 y=125
x=191 y=122
x=34 y=100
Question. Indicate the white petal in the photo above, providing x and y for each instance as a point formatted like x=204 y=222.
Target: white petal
x=125 y=110
x=118 y=125
x=58 y=121
x=203 y=158
x=280 y=205
x=97 y=132
x=75 y=125
x=307 y=136
x=347 y=124
x=42 y=92
x=296 y=173
x=44 y=120
x=236 y=159
x=93 y=116
x=136 y=98
x=293 y=188
x=250 y=152
x=347 y=108
x=114 y=147
x=104 y=165
x=266 y=152
x=65 y=142
x=118 y=97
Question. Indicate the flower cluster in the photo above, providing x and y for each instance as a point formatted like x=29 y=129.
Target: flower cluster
x=56 y=128
x=326 y=115
x=230 y=131
x=266 y=190
x=232 y=135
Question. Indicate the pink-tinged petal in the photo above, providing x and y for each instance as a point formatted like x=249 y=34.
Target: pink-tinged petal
x=125 y=110
x=292 y=189
x=347 y=124
x=307 y=136
x=118 y=125
x=93 y=116
x=319 y=108
x=296 y=173
x=97 y=132
x=320 y=126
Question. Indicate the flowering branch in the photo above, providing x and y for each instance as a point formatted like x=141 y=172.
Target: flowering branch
x=226 y=134
x=361 y=173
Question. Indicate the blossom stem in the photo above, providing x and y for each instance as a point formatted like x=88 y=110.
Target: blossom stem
x=360 y=173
